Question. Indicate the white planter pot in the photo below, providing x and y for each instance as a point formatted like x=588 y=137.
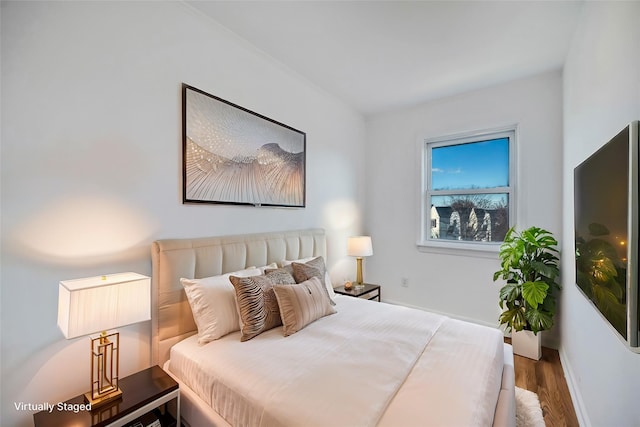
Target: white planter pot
x=526 y=344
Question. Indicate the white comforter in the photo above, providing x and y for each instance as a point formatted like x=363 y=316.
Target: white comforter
x=368 y=364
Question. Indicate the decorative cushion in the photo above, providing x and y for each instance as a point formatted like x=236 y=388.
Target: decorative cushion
x=313 y=268
x=327 y=279
x=271 y=266
x=213 y=304
x=302 y=304
x=257 y=305
x=280 y=276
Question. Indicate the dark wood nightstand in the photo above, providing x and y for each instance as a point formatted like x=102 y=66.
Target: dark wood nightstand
x=369 y=291
x=143 y=395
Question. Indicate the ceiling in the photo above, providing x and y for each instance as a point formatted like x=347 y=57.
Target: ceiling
x=382 y=55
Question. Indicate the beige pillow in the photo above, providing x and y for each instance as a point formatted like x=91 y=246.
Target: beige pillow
x=257 y=305
x=302 y=304
x=312 y=268
x=280 y=276
x=327 y=279
x=213 y=304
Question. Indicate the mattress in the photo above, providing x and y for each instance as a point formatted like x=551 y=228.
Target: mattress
x=368 y=364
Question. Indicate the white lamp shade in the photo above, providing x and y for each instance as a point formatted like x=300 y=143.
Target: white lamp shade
x=359 y=246
x=95 y=304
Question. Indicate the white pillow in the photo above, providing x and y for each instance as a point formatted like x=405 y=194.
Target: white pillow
x=327 y=278
x=271 y=266
x=213 y=304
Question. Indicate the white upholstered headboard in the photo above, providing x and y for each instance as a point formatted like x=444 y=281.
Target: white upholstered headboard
x=172 y=259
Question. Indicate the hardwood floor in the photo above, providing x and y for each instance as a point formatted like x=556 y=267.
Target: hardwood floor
x=546 y=378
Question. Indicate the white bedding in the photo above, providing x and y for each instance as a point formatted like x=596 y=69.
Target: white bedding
x=369 y=364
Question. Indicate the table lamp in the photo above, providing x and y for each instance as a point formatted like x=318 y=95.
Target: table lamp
x=359 y=246
x=97 y=304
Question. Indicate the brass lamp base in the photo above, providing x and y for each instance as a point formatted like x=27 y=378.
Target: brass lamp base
x=359 y=283
x=105 y=364
x=102 y=400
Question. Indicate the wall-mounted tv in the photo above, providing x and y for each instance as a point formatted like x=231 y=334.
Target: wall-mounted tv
x=606 y=232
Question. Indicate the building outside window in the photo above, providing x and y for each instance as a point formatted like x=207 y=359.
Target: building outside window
x=468 y=189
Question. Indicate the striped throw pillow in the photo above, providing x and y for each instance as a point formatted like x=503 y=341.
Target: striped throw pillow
x=313 y=268
x=302 y=304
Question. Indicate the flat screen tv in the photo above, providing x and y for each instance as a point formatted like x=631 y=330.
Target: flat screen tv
x=606 y=232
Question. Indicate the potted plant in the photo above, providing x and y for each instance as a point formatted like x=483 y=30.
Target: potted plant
x=529 y=264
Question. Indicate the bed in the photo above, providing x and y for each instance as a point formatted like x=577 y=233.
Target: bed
x=364 y=364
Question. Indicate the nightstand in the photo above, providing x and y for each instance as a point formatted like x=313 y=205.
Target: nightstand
x=369 y=291
x=144 y=395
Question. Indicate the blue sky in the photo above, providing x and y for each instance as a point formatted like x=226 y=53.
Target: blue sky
x=473 y=165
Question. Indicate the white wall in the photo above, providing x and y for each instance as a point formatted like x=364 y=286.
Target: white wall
x=461 y=286
x=601 y=96
x=91 y=165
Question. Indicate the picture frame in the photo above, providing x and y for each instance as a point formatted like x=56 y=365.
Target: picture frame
x=232 y=155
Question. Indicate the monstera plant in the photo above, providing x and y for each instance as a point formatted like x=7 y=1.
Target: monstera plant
x=529 y=264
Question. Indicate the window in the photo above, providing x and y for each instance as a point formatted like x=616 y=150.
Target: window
x=468 y=190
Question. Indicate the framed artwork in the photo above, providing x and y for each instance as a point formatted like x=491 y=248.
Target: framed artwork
x=233 y=155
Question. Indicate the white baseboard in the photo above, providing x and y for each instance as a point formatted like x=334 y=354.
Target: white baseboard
x=574 y=391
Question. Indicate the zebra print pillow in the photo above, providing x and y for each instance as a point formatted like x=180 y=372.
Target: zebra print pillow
x=257 y=303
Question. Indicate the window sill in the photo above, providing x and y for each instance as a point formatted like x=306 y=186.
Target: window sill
x=468 y=249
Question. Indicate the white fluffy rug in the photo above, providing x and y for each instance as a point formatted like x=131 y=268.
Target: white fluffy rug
x=528 y=410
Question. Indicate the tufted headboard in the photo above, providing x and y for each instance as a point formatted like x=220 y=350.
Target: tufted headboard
x=172 y=259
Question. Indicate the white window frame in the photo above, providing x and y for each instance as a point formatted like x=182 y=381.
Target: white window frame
x=460 y=247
